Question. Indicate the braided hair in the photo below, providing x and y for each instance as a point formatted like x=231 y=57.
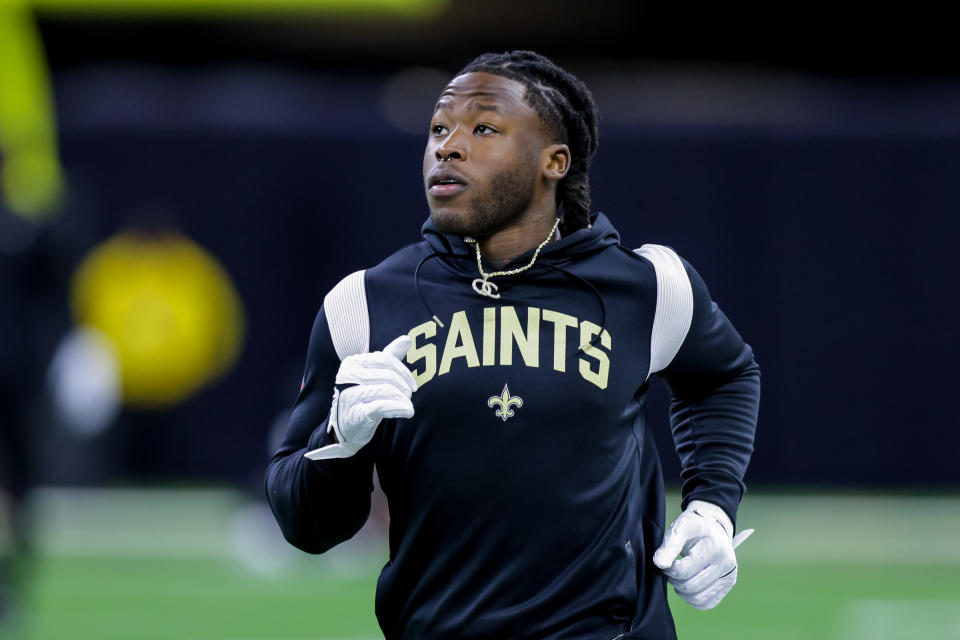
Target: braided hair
x=566 y=108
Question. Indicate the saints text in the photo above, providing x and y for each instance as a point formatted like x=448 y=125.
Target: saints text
x=434 y=355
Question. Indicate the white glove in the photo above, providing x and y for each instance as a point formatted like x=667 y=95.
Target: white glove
x=706 y=568
x=370 y=387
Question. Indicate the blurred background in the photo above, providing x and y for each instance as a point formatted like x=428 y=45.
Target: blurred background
x=182 y=181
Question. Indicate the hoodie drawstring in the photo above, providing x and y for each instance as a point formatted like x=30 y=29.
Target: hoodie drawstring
x=416 y=280
x=596 y=294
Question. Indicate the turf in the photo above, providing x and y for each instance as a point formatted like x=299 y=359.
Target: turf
x=140 y=578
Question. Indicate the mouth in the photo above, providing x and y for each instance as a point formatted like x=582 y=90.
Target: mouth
x=445 y=183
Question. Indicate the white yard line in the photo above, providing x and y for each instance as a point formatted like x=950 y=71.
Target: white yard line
x=133 y=522
x=873 y=529
x=791 y=529
x=900 y=620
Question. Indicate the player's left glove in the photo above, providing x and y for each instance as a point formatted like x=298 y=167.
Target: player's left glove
x=697 y=554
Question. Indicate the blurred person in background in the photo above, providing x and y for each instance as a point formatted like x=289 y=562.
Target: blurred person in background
x=32 y=257
x=33 y=317
x=525 y=493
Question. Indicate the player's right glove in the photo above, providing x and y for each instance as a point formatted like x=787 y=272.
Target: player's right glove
x=369 y=387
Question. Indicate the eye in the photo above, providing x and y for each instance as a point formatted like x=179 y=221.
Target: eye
x=438 y=129
x=484 y=129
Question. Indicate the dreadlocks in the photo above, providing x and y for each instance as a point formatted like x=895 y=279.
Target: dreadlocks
x=566 y=108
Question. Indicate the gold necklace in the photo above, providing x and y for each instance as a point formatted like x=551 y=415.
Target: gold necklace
x=484 y=287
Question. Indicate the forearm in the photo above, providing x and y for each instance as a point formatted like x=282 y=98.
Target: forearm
x=714 y=436
x=318 y=503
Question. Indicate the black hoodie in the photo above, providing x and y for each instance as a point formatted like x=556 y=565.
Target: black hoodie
x=525 y=495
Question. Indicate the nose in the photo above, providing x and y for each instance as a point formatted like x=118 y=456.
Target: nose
x=451 y=148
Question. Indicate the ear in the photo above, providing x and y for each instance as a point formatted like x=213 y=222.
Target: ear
x=555 y=161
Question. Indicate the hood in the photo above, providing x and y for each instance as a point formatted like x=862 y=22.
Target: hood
x=601 y=234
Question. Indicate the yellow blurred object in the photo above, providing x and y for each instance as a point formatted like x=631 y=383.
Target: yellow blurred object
x=142 y=8
x=31 y=180
x=31 y=177
x=170 y=310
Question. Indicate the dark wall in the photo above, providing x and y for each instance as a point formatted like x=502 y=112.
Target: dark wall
x=836 y=259
x=831 y=252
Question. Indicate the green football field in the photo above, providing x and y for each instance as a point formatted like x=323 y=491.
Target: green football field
x=196 y=565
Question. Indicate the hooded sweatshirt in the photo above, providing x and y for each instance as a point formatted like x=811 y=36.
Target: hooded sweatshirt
x=525 y=494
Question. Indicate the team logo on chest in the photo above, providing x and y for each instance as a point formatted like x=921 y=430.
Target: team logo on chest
x=504 y=338
x=505 y=401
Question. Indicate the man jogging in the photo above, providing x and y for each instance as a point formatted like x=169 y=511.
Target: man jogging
x=495 y=374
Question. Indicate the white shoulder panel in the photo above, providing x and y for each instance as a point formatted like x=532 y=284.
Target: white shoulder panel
x=674 y=313
x=346 y=310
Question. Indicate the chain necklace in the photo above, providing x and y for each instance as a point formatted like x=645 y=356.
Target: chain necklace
x=484 y=287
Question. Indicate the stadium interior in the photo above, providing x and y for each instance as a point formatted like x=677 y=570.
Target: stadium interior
x=181 y=182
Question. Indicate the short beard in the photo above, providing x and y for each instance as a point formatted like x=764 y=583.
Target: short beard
x=501 y=205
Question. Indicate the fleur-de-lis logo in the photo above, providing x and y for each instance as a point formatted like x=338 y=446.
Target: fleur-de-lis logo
x=505 y=400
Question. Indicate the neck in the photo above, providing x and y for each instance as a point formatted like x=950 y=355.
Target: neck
x=517 y=239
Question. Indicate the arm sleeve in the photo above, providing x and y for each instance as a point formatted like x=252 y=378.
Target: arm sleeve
x=715 y=386
x=318 y=503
